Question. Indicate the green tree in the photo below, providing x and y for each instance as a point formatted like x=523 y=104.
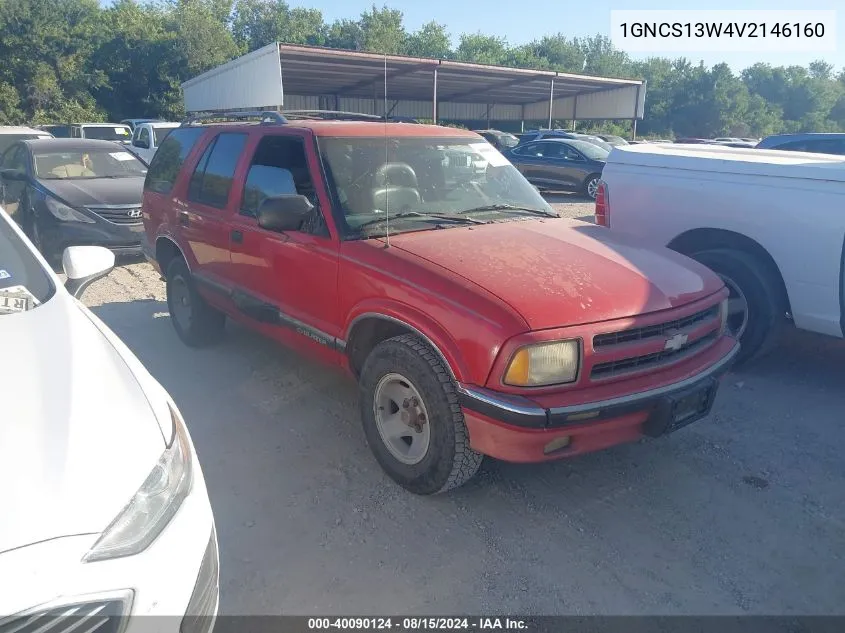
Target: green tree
x=382 y=31
x=431 y=40
x=203 y=41
x=482 y=49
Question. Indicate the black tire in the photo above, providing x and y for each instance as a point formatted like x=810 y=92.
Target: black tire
x=589 y=181
x=763 y=294
x=449 y=461
x=203 y=325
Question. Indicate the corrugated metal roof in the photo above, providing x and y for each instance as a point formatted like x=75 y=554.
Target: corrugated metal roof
x=324 y=78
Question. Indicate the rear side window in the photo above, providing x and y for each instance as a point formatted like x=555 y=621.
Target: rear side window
x=168 y=160
x=212 y=178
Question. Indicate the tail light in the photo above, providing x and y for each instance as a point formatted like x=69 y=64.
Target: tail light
x=602 y=206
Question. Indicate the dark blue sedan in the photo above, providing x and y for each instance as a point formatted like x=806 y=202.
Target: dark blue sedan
x=560 y=164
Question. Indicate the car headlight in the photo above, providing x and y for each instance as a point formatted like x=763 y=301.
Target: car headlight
x=541 y=364
x=62 y=212
x=723 y=315
x=153 y=506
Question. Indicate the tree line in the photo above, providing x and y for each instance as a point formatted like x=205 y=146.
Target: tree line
x=75 y=60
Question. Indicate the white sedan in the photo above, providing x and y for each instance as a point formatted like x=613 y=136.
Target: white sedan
x=104 y=507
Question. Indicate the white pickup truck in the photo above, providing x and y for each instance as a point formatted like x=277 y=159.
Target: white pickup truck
x=147 y=136
x=770 y=223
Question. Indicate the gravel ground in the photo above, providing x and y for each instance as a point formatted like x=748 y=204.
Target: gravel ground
x=741 y=513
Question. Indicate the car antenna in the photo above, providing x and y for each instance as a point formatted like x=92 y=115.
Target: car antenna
x=386 y=160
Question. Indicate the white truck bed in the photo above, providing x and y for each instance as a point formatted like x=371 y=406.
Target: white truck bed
x=786 y=206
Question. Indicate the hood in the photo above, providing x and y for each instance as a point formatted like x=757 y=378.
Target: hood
x=85 y=192
x=564 y=272
x=77 y=435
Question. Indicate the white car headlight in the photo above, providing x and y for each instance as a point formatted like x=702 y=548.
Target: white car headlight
x=541 y=364
x=153 y=506
x=62 y=212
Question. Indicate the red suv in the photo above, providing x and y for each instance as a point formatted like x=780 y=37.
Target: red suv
x=475 y=320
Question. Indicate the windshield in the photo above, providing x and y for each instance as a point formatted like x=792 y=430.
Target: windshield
x=432 y=182
x=588 y=149
x=107 y=132
x=160 y=133
x=89 y=163
x=24 y=284
x=6 y=140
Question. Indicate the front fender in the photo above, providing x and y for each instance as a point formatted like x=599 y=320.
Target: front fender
x=423 y=325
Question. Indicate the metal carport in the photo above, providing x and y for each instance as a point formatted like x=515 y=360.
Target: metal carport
x=289 y=77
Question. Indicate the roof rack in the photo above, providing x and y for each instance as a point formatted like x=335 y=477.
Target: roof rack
x=340 y=115
x=266 y=117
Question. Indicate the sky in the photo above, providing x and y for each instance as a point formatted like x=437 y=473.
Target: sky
x=521 y=22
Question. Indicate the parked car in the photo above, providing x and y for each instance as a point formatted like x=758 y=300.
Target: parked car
x=147 y=136
x=102 y=131
x=498 y=139
x=109 y=515
x=691 y=140
x=9 y=134
x=476 y=321
x=538 y=135
x=74 y=191
x=612 y=139
x=766 y=222
x=559 y=163
x=133 y=123
x=815 y=143
x=57 y=130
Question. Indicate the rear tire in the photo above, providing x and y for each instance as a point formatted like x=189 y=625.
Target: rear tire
x=405 y=368
x=591 y=186
x=195 y=322
x=749 y=281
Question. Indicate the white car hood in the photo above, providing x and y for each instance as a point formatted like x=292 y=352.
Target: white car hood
x=77 y=434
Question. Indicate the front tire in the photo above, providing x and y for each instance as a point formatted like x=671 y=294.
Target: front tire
x=195 y=322
x=411 y=417
x=756 y=308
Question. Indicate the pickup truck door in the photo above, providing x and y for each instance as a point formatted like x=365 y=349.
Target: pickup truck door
x=288 y=280
x=203 y=221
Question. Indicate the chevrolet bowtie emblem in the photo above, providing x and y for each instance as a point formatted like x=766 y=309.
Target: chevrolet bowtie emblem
x=676 y=342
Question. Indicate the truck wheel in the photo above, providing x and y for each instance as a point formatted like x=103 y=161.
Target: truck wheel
x=591 y=185
x=412 y=420
x=196 y=322
x=755 y=306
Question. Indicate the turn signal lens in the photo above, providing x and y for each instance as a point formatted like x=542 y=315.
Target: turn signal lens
x=541 y=364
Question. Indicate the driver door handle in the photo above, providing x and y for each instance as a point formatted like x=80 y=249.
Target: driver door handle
x=184 y=218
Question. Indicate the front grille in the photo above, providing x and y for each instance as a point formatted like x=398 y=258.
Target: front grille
x=119 y=214
x=651 y=331
x=95 y=616
x=612 y=369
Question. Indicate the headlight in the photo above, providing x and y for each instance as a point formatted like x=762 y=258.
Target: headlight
x=62 y=212
x=155 y=503
x=540 y=364
x=723 y=315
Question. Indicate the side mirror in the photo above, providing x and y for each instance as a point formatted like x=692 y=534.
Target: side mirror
x=12 y=174
x=141 y=143
x=284 y=213
x=84 y=265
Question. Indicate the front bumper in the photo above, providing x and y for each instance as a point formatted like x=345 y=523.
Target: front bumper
x=515 y=428
x=177 y=576
x=123 y=239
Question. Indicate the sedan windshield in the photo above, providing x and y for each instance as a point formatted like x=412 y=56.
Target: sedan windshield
x=431 y=182
x=107 y=132
x=24 y=284
x=89 y=163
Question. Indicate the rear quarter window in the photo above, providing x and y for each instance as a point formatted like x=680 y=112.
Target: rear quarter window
x=168 y=160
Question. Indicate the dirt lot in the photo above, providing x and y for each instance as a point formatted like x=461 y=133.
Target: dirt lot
x=740 y=513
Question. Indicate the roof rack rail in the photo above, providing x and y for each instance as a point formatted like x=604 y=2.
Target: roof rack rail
x=335 y=115
x=267 y=117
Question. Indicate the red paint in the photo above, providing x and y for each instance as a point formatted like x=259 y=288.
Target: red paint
x=477 y=293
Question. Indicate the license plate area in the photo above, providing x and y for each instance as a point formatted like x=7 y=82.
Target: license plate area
x=684 y=409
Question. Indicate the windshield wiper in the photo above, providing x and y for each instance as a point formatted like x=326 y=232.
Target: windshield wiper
x=511 y=207
x=457 y=219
